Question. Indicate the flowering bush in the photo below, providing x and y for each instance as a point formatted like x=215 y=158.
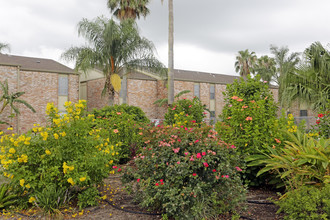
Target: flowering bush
x=322 y=126
x=124 y=127
x=71 y=152
x=185 y=112
x=187 y=172
x=249 y=120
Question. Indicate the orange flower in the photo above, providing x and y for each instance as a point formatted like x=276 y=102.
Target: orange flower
x=239 y=100
x=234 y=97
x=277 y=140
x=245 y=106
x=248 y=118
x=252 y=101
x=116 y=131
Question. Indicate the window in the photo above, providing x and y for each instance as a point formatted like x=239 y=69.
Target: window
x=212 y=92
x=63 y=91
x=196 y=90
x=303 y=113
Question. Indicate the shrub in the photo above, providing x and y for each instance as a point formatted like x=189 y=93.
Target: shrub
x=88 y=197
x=306 y=202
x=186 y=172
x=71 y=152
x=123 y=128
x=185 y=112
x=249 y=120
x=137 y=113
x=322 y=126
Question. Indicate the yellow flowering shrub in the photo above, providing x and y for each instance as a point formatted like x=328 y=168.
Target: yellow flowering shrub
x=71 y=151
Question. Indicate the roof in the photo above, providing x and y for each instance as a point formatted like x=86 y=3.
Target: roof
x=195 y=76
x=35 y=64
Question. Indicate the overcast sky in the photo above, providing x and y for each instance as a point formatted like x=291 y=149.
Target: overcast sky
x=208 y=33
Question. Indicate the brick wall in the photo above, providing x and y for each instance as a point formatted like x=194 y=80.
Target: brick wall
x=40 y=88
x=219 y=99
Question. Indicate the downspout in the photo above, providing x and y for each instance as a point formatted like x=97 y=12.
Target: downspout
x=18 y=82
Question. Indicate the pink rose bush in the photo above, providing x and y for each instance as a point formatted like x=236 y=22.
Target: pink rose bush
x=187 y=179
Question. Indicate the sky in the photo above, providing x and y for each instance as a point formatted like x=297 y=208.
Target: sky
x=207 y=33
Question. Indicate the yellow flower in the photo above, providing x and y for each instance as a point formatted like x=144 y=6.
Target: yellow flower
x=28 y=186
x=23 y=158
x=32 y=199
x=10 y=129
x=12 y=150
x=63 y=134
x=82 y=179
x=21 y=182
x=48 y=152
x=70 y=180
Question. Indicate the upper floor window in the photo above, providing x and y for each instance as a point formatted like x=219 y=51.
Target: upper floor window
x=196 y=90
x=212 y=91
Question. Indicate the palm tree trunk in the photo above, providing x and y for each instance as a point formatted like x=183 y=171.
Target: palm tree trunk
x=170 y=53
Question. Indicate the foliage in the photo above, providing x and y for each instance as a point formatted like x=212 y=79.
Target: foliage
x=303 y=160
x=187 y=172
x=70 y=152
x=4 y=46
x=128 y=9
x=10 y=99
x=7 y=198
x=164 y=101
x=311 y=82
x=88 y=197
x=136 y=112
x=245 y=62
x=125 y=124
x=185 y=112
x=306 y=202
x=322 y=126
x=265 y=67
x=249 y=121
x=113 y=48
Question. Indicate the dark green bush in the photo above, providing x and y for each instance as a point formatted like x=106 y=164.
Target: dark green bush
x=307 y=202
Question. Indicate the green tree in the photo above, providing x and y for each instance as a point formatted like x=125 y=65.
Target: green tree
x=265 y=66
x=10 y=99
x=4 y=46
x=124 y=9
x=245 y=62
x=310 y=83
x=112 y=48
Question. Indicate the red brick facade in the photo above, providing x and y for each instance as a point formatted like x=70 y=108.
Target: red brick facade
x=40 y=88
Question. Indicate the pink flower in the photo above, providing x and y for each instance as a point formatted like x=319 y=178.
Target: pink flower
x=226 y=176
x=196 y=141
x=205 y=164
x=186 y=128
x=191 y=158
x=116 y=131
x=232 y=146
x=186 y=153
x=138 y=180
x=198 y=156
x=193 y=121
x=161 y=180
x=248 y=118
x=118 y=113
x=214 y=170
x=238 y=169
x=203 y=153
x=176 y=150
x=157 y=184
x=161 y=183
x=179 y=140
x=178 y=162
x=194 y=174
x=190 y=106
x=204 y=113
x=114 y=167
x=230 y=105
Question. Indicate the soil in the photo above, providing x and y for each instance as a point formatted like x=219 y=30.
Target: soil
x=120 y=202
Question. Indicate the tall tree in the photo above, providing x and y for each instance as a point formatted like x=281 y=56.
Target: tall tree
x=310 y=83
x=124 y=9
x=112 y=48
x=265 y=66
x=245 y=62
x=4 y=46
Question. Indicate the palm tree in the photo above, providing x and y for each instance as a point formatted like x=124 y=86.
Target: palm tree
x=4 y=46
x=9 y=99
x=265 y=66
x=311 y=82
x=124 y=9
x=245 y=62
x=112 y=48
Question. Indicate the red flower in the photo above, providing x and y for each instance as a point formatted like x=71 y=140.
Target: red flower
x=138 y=180
x=161 y=180
x=198 y=156
x=157 y=184
x=205 y=164
x=161 y=183
x=119 y=170
x=318 y=121
x=193 y=121
x=197 y=141
x=194 y=174
x=214 y=170
x=203 y=153
x=320 y=115
x=114 y=167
